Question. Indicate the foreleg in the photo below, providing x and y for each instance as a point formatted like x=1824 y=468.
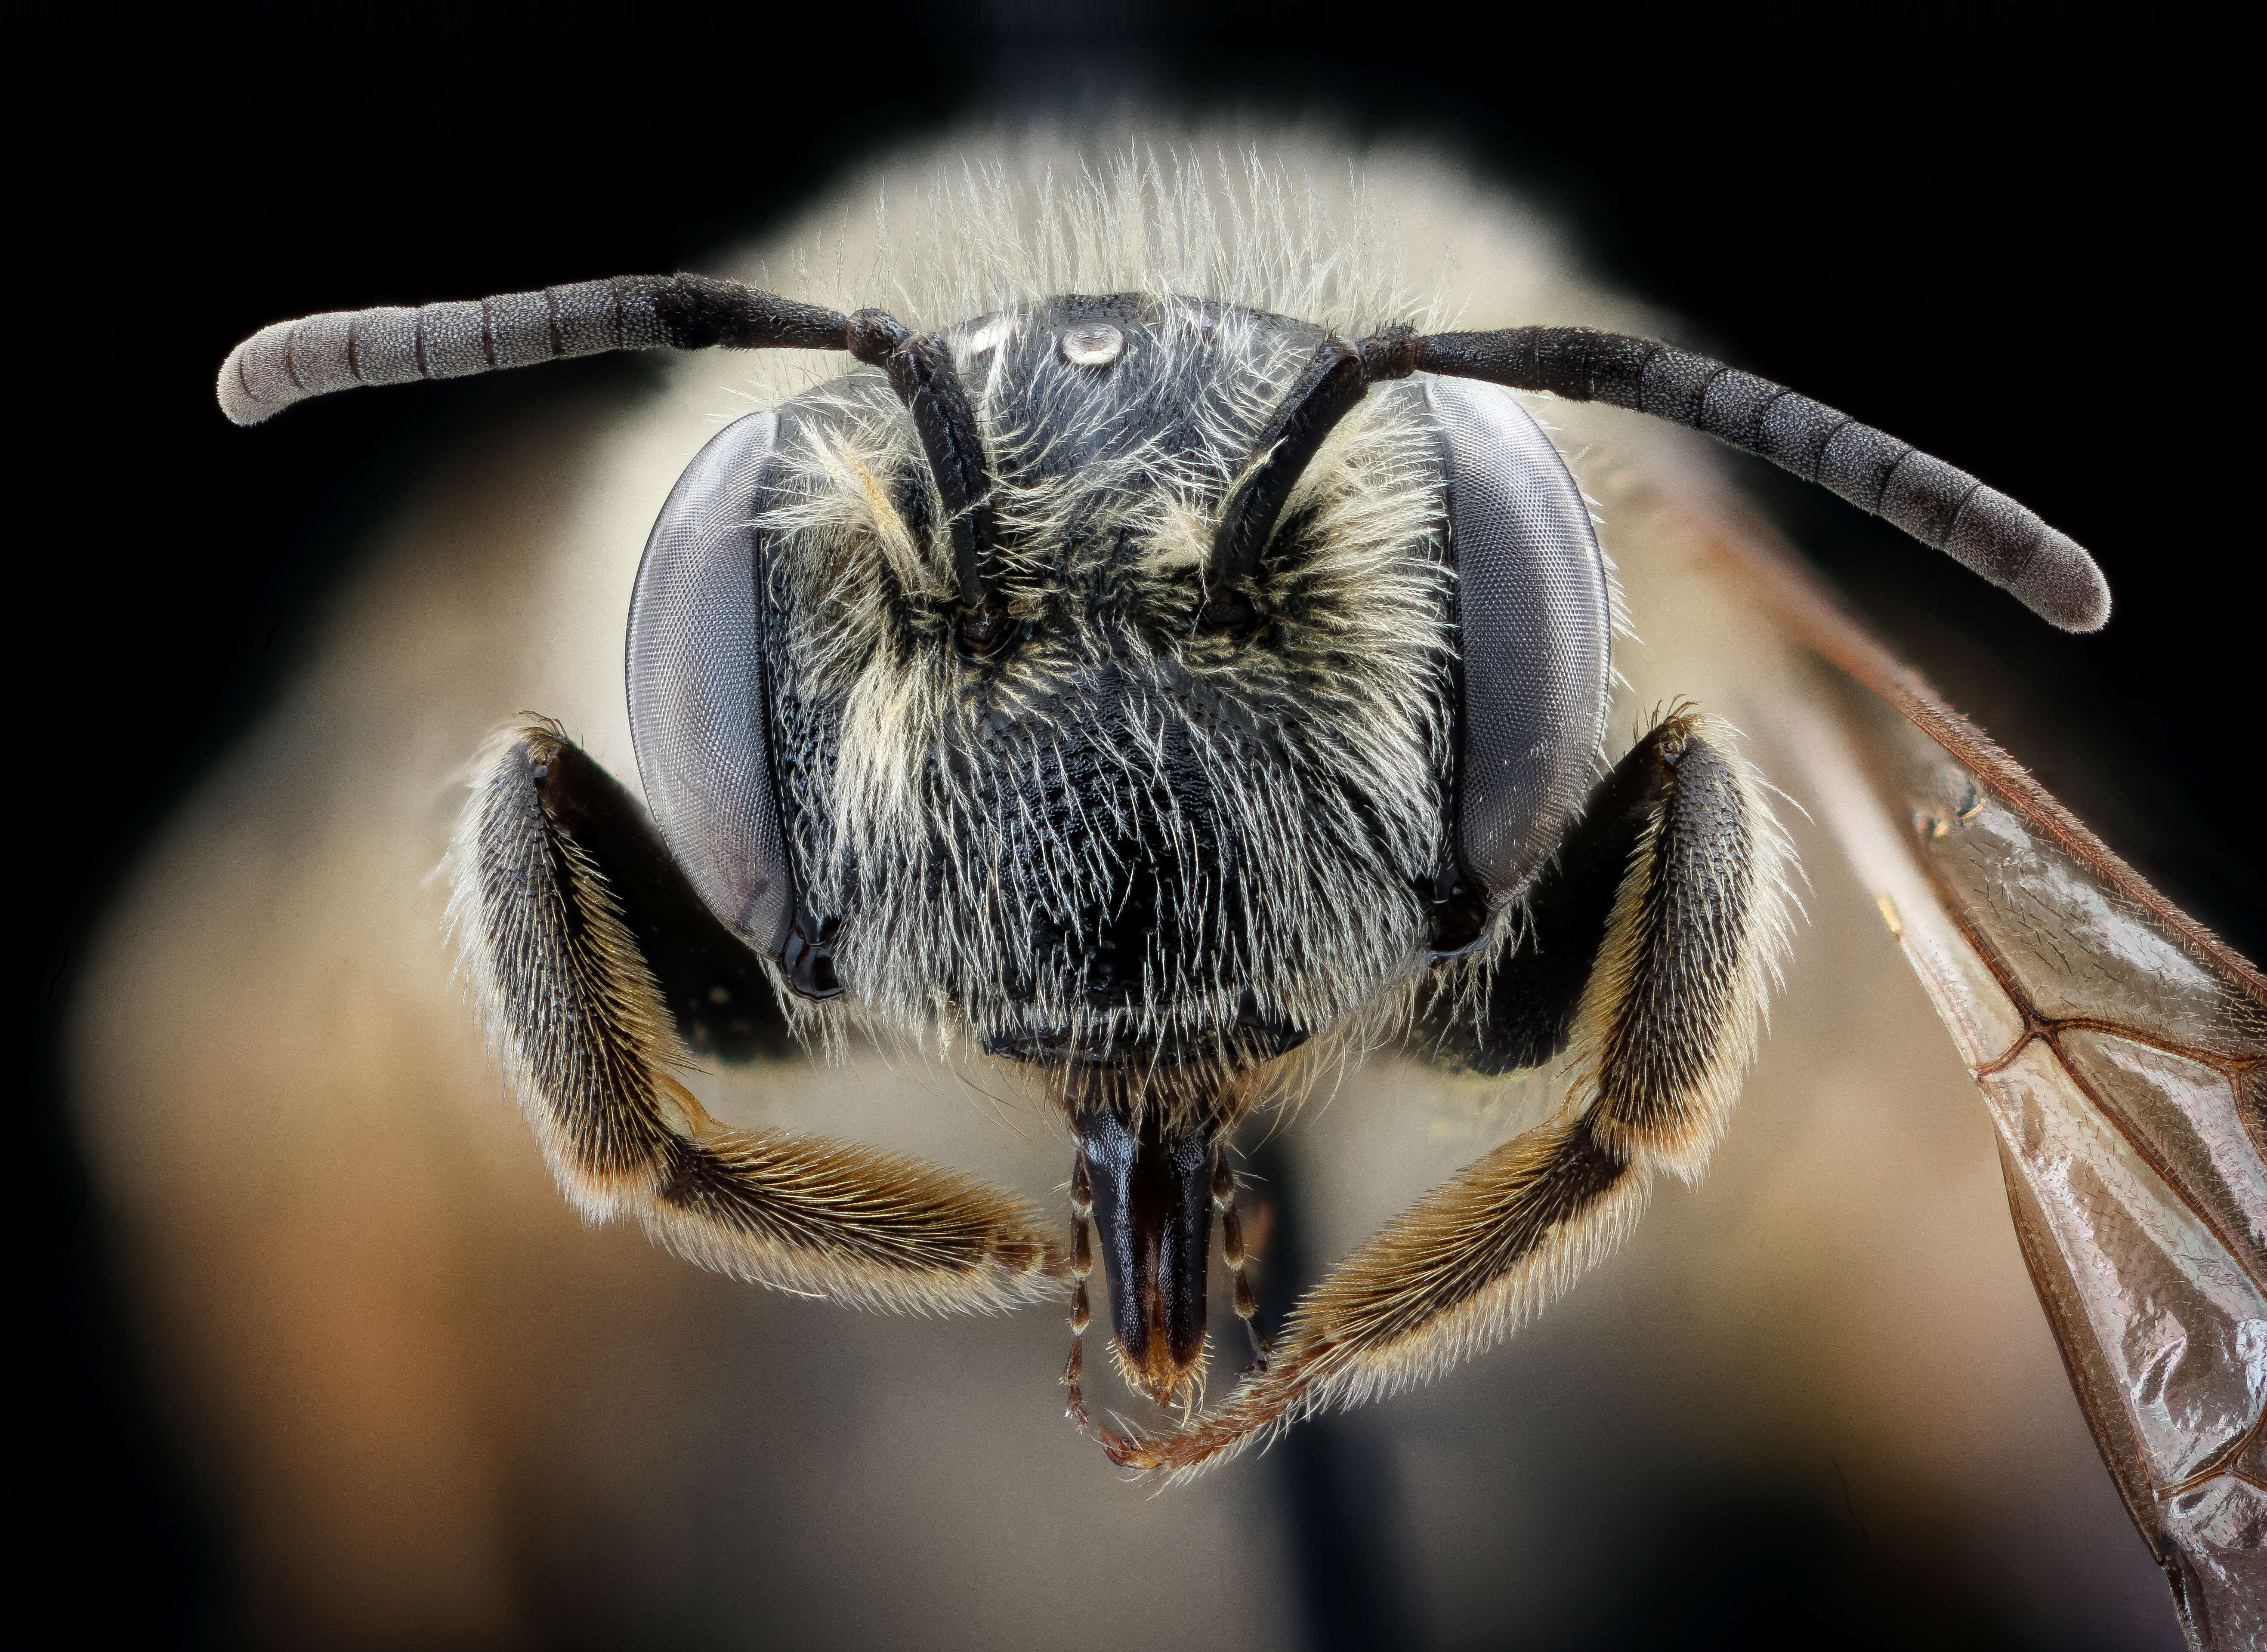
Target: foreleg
x=1664 y=1024
x=594 y=960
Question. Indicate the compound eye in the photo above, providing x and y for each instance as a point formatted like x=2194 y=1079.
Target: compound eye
x=1535 y=617
x=699 y=700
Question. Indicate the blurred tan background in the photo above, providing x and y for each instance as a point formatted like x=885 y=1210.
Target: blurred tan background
x=427 y=1407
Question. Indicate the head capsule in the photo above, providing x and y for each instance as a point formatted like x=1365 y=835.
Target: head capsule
x=1102 y=793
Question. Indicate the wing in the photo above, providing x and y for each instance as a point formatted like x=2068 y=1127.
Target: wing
x=2121 y=1050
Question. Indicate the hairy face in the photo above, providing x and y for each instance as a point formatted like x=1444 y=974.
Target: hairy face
x=1150 y=829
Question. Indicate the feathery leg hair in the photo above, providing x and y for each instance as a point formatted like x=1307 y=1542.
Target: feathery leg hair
x=558 y=878
x=1667 y=1023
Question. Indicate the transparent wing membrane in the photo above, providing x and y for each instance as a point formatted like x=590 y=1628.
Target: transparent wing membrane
x=2121 y=1051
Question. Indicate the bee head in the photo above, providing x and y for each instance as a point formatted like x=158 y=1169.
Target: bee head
x=1093 y=798
x=1094 y=682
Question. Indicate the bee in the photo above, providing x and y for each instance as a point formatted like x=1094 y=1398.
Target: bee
x=1164 y=668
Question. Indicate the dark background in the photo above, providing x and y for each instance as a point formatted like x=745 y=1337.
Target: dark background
x=2013 y=244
